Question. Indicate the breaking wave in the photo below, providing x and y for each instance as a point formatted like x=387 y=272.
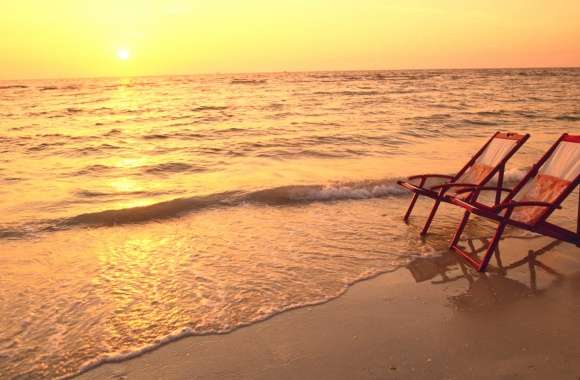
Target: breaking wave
x=277 y=196
x=178 y=207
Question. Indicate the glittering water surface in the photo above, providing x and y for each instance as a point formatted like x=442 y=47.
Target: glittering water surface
x=133 y=211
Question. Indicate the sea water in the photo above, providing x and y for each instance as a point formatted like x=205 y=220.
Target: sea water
x=134 y=211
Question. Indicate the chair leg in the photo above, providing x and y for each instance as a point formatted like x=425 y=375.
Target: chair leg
x=532 y=266
x=431 y=216
x=498 y=259
x=492 y=247
x=410 y=209
x=460 y=229
x=499 y=185
x=578 y=221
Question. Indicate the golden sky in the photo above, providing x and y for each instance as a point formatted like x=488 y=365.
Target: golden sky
x=79 y=38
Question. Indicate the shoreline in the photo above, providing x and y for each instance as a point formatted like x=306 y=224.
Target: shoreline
x=185 y=333
x=448 y=325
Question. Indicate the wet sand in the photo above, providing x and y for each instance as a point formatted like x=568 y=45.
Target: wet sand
x=435 y=319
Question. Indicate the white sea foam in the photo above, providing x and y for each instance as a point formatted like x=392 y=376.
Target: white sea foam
x=338 y=192
x=185 y=332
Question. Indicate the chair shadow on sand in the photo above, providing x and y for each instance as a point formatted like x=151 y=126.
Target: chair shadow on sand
x=498 y=287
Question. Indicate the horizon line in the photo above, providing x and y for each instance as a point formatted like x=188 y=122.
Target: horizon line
x=294 y=72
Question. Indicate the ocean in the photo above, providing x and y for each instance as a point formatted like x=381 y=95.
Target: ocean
x=134 y=211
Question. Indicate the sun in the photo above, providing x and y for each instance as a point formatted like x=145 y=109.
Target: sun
x=123 y=54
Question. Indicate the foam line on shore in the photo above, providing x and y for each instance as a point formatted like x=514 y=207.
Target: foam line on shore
x=186 y=332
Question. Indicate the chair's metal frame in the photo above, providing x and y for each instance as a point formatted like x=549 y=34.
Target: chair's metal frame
x=540 y=226
x=439 y=192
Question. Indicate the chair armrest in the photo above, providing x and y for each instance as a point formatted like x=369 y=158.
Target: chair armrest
x=446 y=186
x=484 y=188
x=514 y=204
x=430 y=175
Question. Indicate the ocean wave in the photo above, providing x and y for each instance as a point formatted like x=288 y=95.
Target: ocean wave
x=436 y=116
x=478 y=122
x=12 y=233
x=95 y=169
x=103 y=194
x=359 y=93
x=97 y=149
x=13 y=86
x=156 y=136
x=157 y=211
x=130 y=85
x=347 y=93
x=12 y=179
x=527 y=114
x=248 y=81
x=73 y=110
x=209 y=108
x=43 y=146
x=491 y=113
x=277 y=154
x=38 y=113
x=172 y=167
x=112 y=132
x=448 y=106
x=311 y=193
x=277 y=196
x=568 y=117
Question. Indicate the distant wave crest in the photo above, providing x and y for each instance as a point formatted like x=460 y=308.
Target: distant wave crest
x=13 y=86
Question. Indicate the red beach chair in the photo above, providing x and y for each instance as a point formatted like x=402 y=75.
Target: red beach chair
x=531 y=202
x=483 y=166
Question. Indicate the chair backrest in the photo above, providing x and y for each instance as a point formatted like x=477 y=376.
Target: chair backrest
x=551 y=180
x=485 y=164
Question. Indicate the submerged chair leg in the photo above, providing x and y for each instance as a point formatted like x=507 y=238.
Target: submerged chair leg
x=431 y=216
x=481 y=266
x=578 y=221
x=532 y=266
x=498 y=259
x=492 y=247
x=499 y=185
x=460 y=229
x=415 y=197
x=410 y=209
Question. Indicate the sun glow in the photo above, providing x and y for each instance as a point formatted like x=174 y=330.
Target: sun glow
x=41 y=39
x=123 y=54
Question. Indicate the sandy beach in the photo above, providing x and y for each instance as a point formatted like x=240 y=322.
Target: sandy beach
x=452 y=324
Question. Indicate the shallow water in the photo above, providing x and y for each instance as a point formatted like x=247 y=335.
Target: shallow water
x=133 y=211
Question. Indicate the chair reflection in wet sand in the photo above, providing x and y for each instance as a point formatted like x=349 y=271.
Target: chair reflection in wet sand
x=484 y=289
